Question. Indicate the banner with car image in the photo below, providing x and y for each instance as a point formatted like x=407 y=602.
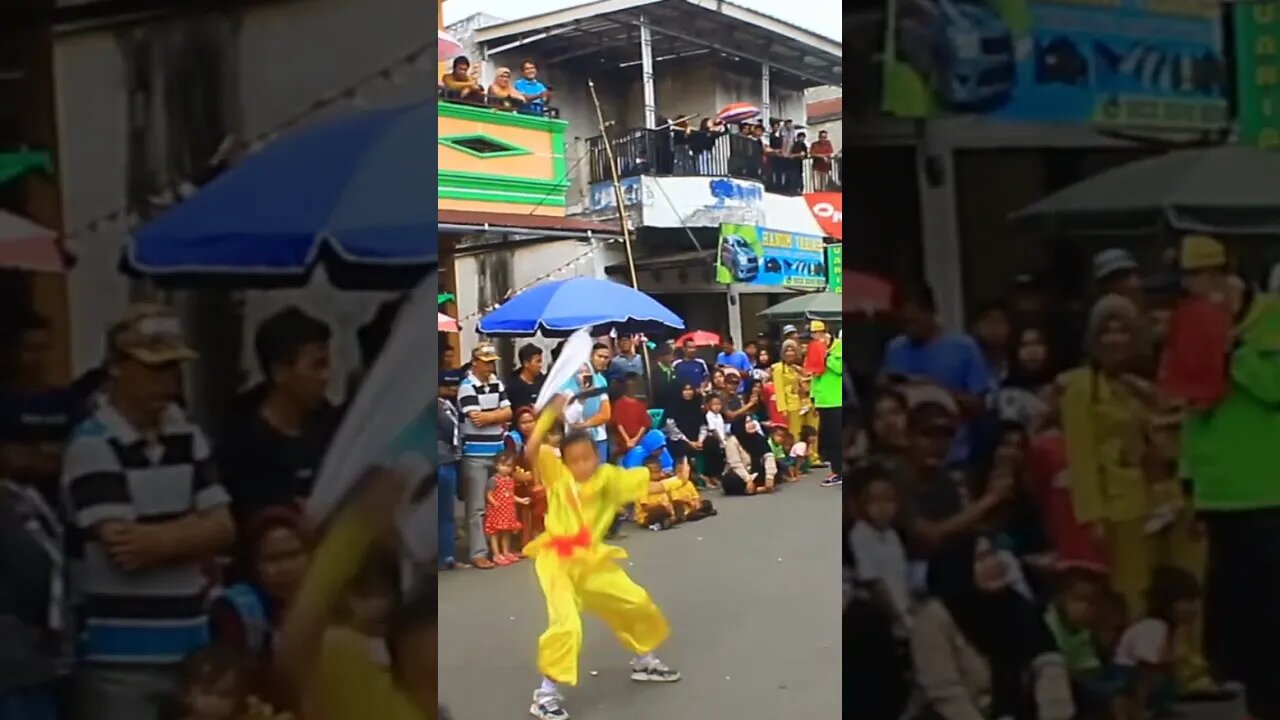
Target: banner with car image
x=754 y=255
x=1140 y=64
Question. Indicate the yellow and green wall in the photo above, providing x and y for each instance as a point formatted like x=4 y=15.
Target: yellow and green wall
x=520 y=169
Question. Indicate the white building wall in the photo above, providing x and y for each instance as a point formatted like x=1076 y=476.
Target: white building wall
x=284 y=57
x=562 y=259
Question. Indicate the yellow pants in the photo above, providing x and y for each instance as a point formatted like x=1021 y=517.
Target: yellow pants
x=1134 y=554
x=797 y=422
x=603 y=588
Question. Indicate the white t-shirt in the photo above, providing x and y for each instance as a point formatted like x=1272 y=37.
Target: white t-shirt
x=881 y=556
x=1146 y=642
x=800 y=450
x=716 y=426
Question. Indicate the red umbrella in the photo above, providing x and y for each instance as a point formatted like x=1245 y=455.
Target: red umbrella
x=700 y=338
x=444 y=323
x=25 y=245
x=448 y=47
x=737 y=112
x=866 y=293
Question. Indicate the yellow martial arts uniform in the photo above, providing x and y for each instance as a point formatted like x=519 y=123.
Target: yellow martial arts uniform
x=578 y=571
x=659 y=500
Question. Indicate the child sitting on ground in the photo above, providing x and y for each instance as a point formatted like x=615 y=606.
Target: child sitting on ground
x=656 y=511
x=882 y=559
x=500 y=521
x=214 y=685
x=1071 y=617
x=1145 y=659
x=801 y=451
x=779 y=446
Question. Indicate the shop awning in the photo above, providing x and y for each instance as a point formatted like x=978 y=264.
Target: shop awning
x=469 y=221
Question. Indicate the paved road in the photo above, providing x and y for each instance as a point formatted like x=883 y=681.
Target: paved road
x=753 y=596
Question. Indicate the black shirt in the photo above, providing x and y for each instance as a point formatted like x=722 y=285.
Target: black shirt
x=522 y=393
x=263 y=467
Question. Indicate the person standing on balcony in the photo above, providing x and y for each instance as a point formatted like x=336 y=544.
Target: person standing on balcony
x=796 y=154
x=702 y=142
x=773 y=156
x=536 y=93
x=821 y=151
x=501 y=92
x=462 y=82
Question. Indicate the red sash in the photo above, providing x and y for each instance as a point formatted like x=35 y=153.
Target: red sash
x=564 y=545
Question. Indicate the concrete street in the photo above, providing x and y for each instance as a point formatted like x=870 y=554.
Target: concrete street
x=753 y=596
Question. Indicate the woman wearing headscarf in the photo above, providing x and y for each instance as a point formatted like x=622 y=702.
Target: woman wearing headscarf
x=787 y=378
x=1107 y=418
x=752 y=467
x=981 y=649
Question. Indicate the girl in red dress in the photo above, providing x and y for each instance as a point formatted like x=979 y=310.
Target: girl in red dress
x=500 y=521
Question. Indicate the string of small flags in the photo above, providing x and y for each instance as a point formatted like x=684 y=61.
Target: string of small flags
x=233 y=147
x=574 y=263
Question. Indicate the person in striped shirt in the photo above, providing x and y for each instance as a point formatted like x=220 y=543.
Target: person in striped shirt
x=485 y=409
x=142 y=491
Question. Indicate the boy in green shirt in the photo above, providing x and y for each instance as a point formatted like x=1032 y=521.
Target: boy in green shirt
x=1071 y=618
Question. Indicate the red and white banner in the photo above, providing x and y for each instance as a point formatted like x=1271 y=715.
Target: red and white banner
x=828 y=209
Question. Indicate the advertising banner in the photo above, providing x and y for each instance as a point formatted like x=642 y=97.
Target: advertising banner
x=1257 y=26
x=757 y=256
x=1154 y=64
x=835 y=268
x=828 y=210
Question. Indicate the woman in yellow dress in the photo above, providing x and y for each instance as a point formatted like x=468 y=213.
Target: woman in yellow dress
x=1108 y=416
x=578 y=571
x=788 y=380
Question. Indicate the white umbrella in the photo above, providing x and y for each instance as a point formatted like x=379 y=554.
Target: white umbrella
x=24 y=245
x=448 y=47
x=392 y=404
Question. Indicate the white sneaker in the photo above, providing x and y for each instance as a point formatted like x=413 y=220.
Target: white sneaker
x=653 y=671
x=546 y=706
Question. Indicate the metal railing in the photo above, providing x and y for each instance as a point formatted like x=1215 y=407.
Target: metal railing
x=640 y=151
x=652 y=152
x=489 y=101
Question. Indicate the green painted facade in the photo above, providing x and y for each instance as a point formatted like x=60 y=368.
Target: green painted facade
x=485 y=187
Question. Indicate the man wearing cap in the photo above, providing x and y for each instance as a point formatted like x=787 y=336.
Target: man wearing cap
x=483 y=403
x=1230 y=454
x=790 y=332
x=828 y=398
x=933 y=505
x=141 y=487
x=1115 y=272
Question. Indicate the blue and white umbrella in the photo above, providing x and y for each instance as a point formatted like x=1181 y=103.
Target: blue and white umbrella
x=558 y=308
x=348 y=193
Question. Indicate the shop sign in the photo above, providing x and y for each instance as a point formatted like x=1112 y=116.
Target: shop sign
x=1151 y=64
x=754 y=255
x=828 y=210
x=835 y=268
x=1257 y=26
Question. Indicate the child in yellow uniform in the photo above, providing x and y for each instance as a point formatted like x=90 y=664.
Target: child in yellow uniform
x=577 y=570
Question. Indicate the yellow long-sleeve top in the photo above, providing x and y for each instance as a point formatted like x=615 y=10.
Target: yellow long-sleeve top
x=579 y=514
x=786 y=387
x=1103 y=425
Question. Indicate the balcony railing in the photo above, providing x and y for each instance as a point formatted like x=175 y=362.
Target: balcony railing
x=490 y=101
x=653 y=152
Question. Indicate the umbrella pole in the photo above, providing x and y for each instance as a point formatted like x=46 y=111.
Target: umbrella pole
x=622 y=218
